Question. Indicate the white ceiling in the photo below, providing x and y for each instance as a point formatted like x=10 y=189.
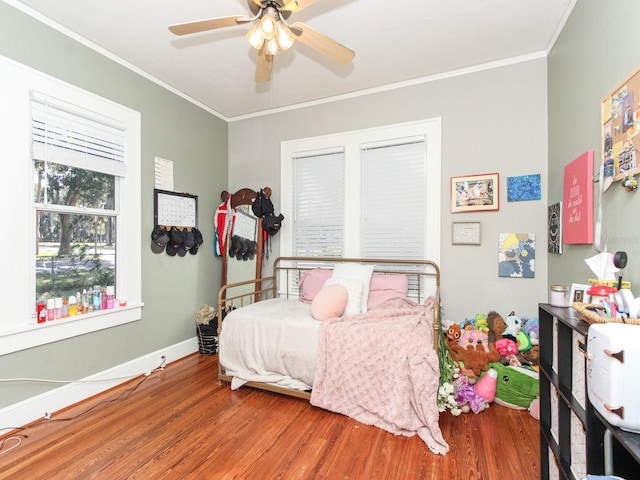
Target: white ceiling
x=395 y=42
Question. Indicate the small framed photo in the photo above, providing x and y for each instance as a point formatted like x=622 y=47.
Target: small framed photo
x=465 y=233
x=579 y=293
x=475 y=193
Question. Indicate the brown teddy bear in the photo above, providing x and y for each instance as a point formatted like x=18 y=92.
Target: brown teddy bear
x=473 y=352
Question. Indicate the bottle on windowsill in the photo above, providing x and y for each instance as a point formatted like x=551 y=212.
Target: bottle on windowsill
x=103 y=298
x=96 y=298
x=73 y=307
x=65 y=307
x=51 y=309
x=79 y=304
x=58 y=309
x=111 y=297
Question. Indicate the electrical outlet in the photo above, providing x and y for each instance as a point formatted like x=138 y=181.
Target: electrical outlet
x=47 y=415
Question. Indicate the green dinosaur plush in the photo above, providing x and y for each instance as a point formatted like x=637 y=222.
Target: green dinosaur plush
x=517 y=387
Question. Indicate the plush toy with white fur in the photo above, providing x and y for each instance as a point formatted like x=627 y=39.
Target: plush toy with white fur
x=513 y=326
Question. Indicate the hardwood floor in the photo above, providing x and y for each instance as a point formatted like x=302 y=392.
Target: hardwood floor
x=180 y=423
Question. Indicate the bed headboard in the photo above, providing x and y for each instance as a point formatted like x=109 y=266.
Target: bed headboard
x=423 y=275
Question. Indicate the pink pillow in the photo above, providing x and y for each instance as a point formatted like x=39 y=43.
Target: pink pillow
x=311 y=283
x=383 y=287
x=329 y=302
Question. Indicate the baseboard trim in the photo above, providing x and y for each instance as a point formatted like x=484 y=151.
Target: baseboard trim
x=34 y=408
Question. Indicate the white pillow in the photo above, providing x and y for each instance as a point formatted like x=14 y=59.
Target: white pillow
x=354 y=290
x=359 y=272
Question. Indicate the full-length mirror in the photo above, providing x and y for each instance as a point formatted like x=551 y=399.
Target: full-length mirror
x=242 y=255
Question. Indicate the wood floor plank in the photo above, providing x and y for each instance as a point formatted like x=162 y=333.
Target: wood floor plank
x=181 y=423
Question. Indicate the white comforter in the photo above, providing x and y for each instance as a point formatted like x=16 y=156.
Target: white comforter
x=273 y=341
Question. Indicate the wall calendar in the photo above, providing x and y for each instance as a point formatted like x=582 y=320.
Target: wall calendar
x=174 y=209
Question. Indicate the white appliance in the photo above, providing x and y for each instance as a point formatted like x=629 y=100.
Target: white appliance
x=613 y=357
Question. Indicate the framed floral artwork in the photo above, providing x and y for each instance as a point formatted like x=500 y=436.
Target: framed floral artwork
x=475 y=193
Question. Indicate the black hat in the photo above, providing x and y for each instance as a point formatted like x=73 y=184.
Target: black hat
x=197 y=241
x=235 y=247
x=176 y=239
x=244 y=249
x=271 y=224
x=159 y=239
x=187 y=245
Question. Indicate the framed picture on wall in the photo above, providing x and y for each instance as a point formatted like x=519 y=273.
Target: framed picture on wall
x=555 y=227
x=577 y=201
x=465 y=233
x=620 y=116
x=475 y=193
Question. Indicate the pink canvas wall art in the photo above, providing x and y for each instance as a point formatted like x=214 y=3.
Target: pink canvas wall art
x=577 y=201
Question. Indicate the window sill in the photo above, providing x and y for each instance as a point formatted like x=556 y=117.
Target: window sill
x=53 y=331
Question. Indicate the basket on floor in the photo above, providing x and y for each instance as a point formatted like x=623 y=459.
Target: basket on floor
x=590 y=316
x=207 y=330
x=207 y=340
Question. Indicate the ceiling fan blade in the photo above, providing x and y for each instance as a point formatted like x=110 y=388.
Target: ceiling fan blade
x=204 y=25
x=297 y=5
x=263 y=66
x=323 y=44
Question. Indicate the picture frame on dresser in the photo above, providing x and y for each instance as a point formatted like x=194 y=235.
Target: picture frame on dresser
x=579 y=293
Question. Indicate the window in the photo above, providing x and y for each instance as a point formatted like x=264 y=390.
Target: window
x=371 y=193
x=78 y=164
x=75 y=163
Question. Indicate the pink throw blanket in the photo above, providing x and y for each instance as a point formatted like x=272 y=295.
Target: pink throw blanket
x=380 y=368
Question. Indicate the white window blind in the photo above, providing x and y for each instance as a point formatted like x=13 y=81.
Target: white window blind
x=318 y=204
x=394 y=199
x=65 y=134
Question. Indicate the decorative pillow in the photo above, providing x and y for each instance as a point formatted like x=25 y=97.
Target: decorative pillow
x=384 y=287
x=359 y=272
x=329 y=302
x=354 y=290
x=311 y=283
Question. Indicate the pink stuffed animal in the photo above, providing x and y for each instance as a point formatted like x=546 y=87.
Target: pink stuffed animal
x=475 y=339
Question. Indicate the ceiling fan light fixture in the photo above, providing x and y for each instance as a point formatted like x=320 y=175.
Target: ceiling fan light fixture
x=284 y=36
x=268 y=24
x=271 y=46
x=255 y=37
x=270 y=33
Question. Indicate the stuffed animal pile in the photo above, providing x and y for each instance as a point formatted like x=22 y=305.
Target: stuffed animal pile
x=498 y=361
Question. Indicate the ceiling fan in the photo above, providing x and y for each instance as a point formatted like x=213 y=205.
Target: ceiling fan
x=271 y=33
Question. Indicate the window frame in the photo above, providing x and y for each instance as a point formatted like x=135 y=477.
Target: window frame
x=18 y=327
x=352 y=142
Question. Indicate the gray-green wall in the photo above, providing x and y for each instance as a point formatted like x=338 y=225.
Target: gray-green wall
x=597 y=49
x=173 y=288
